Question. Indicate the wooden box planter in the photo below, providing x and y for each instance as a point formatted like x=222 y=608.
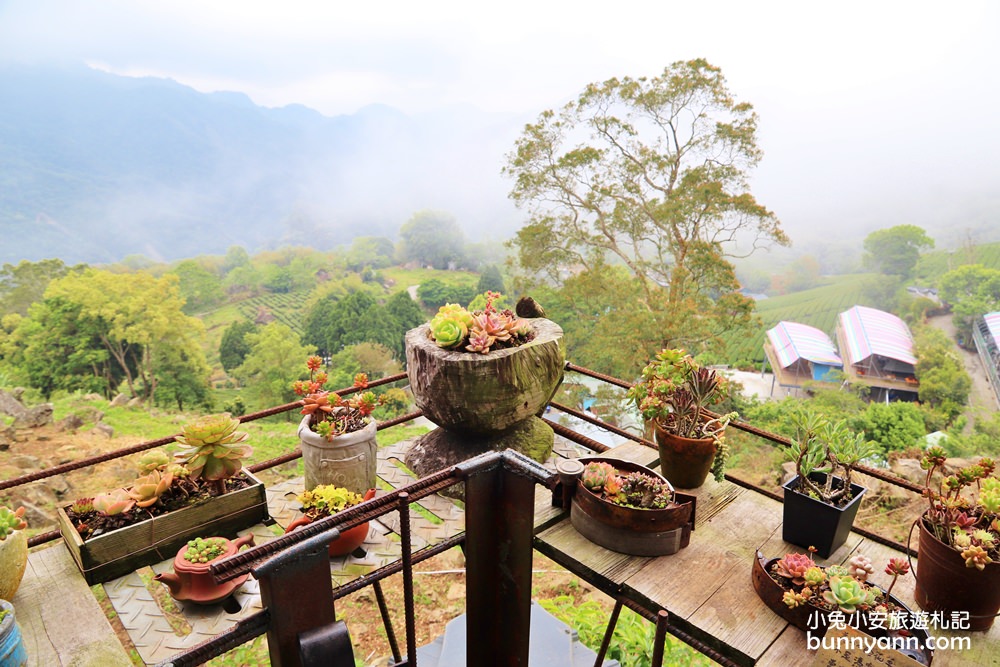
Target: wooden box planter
x=809 y=522
x=126 y=549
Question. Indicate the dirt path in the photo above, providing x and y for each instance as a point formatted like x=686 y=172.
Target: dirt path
x=981 y=398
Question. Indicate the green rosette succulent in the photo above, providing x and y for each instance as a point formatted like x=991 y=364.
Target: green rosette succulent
x=11 y=521
x=214 y=452
x=847 y=594
x=448 y=331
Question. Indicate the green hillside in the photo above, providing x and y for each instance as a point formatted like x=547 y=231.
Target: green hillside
x=933 y=265
x=816 y=307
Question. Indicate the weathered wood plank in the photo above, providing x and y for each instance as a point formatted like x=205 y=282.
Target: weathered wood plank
x=61 y=622
x=605 y=569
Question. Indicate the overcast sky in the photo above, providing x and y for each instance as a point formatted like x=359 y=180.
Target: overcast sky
x=859 y=100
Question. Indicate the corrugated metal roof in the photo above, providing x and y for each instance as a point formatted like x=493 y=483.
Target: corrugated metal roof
x=867 y=331
x=993 y=324
x=792 y=341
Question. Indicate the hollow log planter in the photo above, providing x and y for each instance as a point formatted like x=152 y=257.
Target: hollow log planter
x=118 y=552
x=483 y=401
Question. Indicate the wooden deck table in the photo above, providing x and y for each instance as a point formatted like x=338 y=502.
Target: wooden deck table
x=707 y=587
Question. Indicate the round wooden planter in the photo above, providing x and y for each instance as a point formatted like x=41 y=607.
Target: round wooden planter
x=804 y=616
x=349 y=540
x=630 y=530
x=686 y=462
x=944 y=583
x=484 y=394
x=349 y=460
x=194 y=581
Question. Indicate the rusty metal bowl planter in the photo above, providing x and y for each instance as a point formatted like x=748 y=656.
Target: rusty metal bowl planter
x=631 y=530
x=771 y=591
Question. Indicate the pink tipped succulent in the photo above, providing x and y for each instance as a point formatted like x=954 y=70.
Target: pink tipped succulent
x=860 y=567
x=115 y=502
x=794 y=566
x=596 y=474
x=479 y=342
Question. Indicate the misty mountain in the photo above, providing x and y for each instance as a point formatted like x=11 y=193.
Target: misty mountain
x=94 y=167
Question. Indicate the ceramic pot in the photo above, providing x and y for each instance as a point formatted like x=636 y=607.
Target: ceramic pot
x=12 y=651
x=13 y=560
x=194 y=581
x=686 y=462
x=944 y=583
x=348 y=541
x=809 y=522
x=349 y=460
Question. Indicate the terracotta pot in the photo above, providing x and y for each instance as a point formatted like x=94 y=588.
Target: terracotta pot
x=349 y=460
x=804 y=617
x=808 y=522
x=631 y=530
x=686 y=462
x=348 y=541
x=194 y=581
x=944 y=583
x=13 y=560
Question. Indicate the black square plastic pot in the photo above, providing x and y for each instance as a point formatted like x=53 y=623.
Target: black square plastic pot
x=809 y=522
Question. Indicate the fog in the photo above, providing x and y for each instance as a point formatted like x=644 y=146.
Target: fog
x=871 y=115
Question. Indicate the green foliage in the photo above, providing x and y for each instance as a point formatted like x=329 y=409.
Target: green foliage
x=24 y=284
x=650 y=173
x=370 y=251
x=435 y=293
x=894 y=426
x=490 y=280
x=405 y=311
x=202 y=550
x=200 y=287
x=356 y=318
x=632 y=642
x=895 y=251
x=972 y=290
x=234 y=346
x=95 y=329
x=944 y=383
x=273 y=363
x=431 y=238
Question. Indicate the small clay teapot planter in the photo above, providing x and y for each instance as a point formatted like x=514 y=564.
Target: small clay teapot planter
x=326 y=500
x=192 y=578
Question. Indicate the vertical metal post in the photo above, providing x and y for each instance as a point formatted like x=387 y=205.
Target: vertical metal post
x=499 y=520
x=659 y=638
x=608 y=633
x=296 y=589
x=409 y=611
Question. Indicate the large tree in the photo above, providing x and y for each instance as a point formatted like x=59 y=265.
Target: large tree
x=895 y=251
x=99 y=328
x=275 y=361
x=431 y=238
x=651 y=174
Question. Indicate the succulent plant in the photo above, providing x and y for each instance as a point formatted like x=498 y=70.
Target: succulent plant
x=114 y=502
x=897 y=567
x=203 y=550
x=153 y=459
x=794 y=566
x=331 y=415
x=847 y=594
x=82 y=506
x=146 y=490
x=814 y=577
x=214 y=450
x=595 y=474
x=641 y=490
x=455 y=328
x=327 y=499
x=827 y=447
x=860 y=566
x=10 y=521
x=964 y=508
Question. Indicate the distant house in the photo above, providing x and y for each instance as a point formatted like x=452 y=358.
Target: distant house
x=799 y=353
x=877 y=348
x=986 y=335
